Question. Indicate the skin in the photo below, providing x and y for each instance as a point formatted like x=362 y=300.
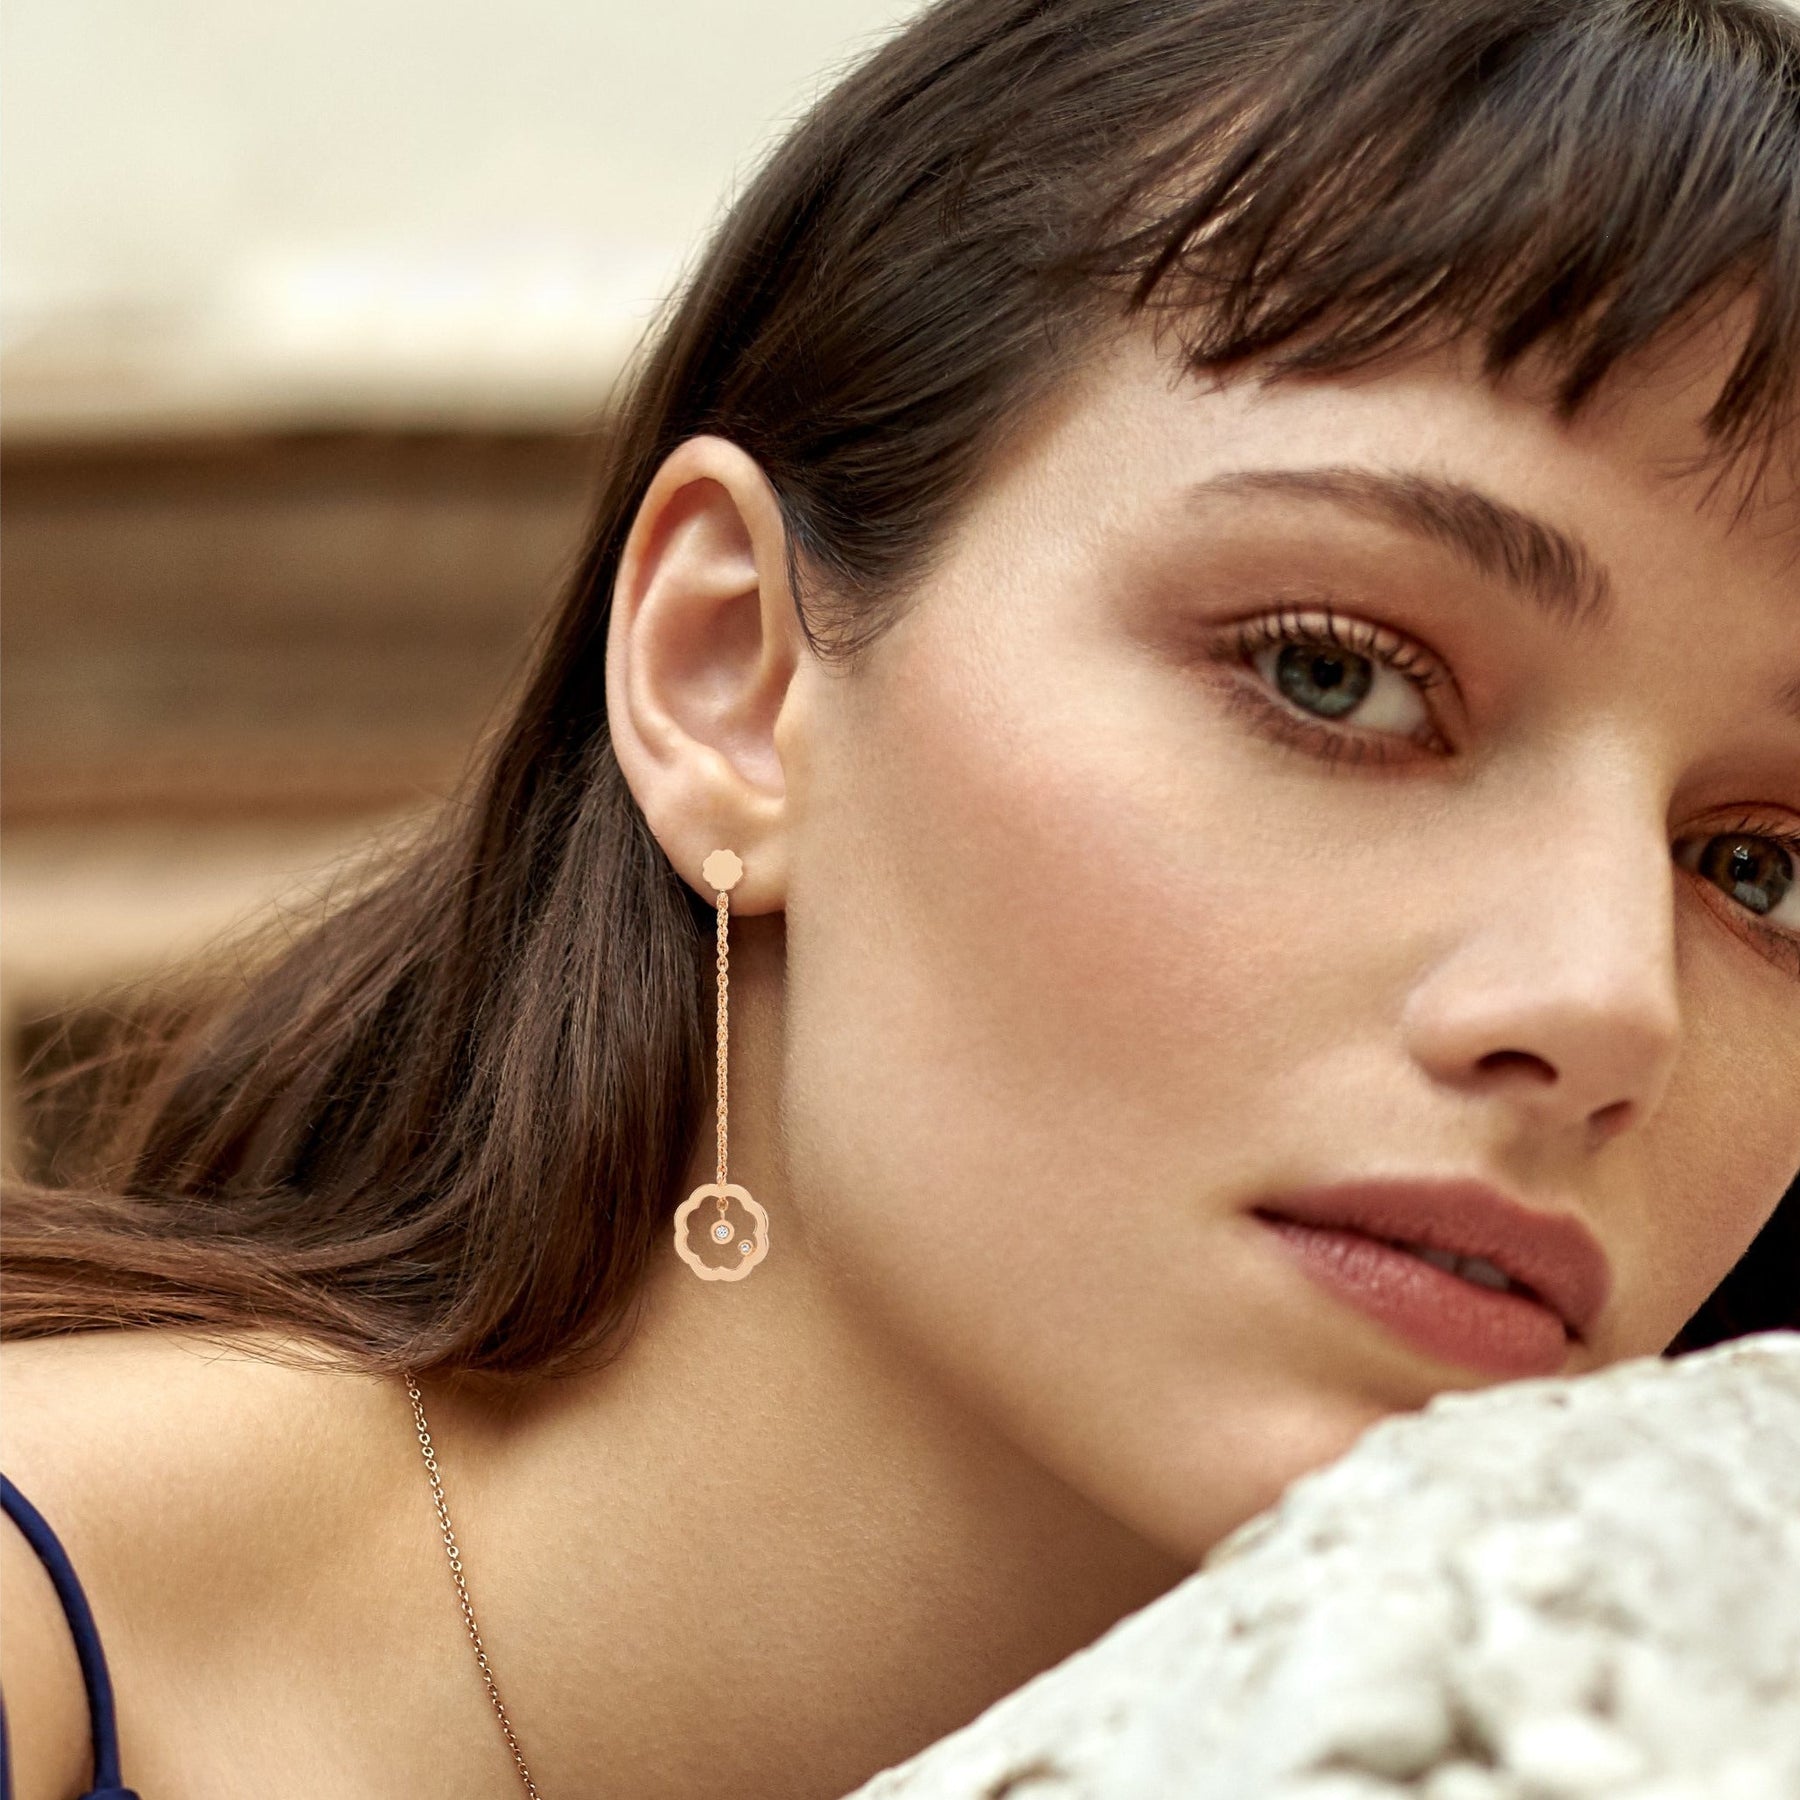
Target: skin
x=1055 y=951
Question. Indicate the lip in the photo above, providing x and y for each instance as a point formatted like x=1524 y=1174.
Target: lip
x=1336 y=1232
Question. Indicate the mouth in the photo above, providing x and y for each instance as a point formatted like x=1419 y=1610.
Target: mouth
x=1454 y=1268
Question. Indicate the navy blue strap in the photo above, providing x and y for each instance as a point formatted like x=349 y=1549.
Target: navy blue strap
x=107 y=1783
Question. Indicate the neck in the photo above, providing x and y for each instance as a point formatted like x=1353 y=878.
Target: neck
x=760 y=1554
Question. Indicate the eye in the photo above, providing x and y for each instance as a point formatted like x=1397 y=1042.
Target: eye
x=1342 y=671
x=1759 y=870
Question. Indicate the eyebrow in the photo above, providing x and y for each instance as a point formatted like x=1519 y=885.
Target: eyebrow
x=1534 y=558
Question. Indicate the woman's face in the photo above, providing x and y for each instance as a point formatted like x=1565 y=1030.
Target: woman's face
x=1108 y=917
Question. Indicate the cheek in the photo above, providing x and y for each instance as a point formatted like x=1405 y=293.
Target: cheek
x=1058 y=970
x=1714 y=1162
x=1093 y=918
x=1060 y=954
x=1055 y=946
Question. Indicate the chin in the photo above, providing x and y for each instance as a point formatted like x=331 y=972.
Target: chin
x=1241 y=1458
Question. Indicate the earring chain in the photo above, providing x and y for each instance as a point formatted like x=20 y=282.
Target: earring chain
x=723 y=965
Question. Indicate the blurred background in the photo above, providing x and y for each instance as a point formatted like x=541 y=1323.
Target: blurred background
x=308 y=321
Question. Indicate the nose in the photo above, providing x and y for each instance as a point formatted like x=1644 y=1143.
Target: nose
x=1555 y=993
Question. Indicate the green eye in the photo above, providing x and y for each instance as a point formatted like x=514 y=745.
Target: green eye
x=1323 y=679
x=1341 y=672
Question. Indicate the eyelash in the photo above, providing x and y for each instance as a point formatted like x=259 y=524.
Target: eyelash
x=1320 y=625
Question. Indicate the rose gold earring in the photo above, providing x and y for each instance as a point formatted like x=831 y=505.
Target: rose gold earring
x=736 y=1240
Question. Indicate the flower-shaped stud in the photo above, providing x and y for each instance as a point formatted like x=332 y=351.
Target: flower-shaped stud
x=722 y=871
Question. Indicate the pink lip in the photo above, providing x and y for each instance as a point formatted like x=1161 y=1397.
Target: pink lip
x=1336 y=1234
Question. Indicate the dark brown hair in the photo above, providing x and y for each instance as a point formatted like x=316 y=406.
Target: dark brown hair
x=444 y=1128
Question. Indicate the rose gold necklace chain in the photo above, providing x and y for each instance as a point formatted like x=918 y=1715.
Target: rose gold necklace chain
x=462 y=1591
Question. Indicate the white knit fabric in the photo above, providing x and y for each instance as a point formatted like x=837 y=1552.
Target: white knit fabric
x=1547 y=1590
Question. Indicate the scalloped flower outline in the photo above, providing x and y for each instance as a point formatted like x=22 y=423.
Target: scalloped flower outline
x=759 y=1234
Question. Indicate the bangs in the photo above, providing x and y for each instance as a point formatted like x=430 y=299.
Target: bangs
x=1572 y=179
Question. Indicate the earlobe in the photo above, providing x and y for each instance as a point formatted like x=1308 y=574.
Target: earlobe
x=702 y=646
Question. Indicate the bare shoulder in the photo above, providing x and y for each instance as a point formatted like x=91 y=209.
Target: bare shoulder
x=182 y=1474
x=41 y=1679
x=139 y=1437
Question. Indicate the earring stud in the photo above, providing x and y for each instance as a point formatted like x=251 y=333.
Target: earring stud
x=738 y=1238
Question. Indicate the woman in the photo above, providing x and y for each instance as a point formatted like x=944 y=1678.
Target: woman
x=1226 y=570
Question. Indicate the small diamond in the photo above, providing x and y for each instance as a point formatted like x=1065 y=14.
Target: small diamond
x=745 y=1247
x=721 y=1231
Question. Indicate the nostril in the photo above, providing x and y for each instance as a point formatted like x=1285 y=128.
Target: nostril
x=1609 y=1121
x=1517 y=1059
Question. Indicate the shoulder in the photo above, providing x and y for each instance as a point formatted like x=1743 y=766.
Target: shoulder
x=156 y=1457
x=68 y=1396
x=143 y=1438
x=40 y=1677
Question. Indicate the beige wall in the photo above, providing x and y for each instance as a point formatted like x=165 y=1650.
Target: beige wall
x=359 y=203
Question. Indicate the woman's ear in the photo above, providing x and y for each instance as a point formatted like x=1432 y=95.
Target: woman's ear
x=701 y=649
